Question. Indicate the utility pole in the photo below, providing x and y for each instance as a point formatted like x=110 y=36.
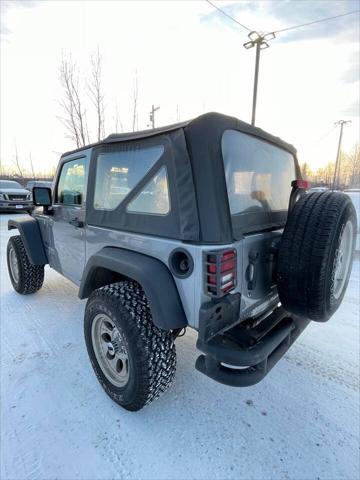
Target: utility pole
x=259 y=41
x=337 y=162
x=152 y=115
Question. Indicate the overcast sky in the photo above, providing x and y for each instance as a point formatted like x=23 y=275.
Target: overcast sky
x=189 y=60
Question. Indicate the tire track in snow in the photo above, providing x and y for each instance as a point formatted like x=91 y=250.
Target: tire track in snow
x=311 y=360
x=29 y=459
x=26 y=460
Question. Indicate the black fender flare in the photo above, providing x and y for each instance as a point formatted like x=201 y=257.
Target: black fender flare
x=153 y=276
x=31 y=236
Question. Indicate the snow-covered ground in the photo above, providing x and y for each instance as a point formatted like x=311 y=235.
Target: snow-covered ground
x=301 y=422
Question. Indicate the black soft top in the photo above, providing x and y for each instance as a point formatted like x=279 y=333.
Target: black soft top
x=204 y=121
x=198 y=194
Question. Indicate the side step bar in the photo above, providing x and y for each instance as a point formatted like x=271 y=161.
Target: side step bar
x=242 y=357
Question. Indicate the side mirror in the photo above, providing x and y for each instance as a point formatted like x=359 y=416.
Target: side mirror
x=42 y=197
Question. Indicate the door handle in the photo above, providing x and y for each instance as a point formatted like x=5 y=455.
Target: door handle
x=76 y=222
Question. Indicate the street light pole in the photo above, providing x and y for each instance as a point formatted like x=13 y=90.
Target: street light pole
x=260 y=42
x=256 y=79
x=337 y=162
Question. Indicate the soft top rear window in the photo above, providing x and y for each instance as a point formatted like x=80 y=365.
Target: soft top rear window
x=258 y=174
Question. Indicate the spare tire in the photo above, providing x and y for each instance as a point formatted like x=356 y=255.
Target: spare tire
x=315 y=255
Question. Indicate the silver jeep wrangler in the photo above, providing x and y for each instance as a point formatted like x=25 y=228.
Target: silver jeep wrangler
x=203 y=224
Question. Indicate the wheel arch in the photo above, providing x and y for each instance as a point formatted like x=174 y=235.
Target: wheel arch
x=112 y=264
x=31 y=237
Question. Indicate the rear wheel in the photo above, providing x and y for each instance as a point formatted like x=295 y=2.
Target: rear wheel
x=25 y=277
x=315 y=255
x=134 y=360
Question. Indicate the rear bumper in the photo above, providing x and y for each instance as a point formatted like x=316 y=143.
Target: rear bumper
x=242 y=356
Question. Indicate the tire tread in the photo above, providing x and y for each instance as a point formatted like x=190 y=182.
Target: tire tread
x=306 y=254
x=31 y=277
x=155 y=347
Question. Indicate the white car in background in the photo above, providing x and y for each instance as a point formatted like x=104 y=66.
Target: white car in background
x=318 y=189
x=354 y=194
x=14 y=197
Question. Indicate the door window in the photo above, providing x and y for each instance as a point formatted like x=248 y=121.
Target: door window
x=71 y=185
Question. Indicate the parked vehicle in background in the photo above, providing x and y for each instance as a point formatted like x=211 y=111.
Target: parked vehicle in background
x=14 y=197
x=318 y=189
x=354 y=194
x=38 y=183
x=203 y=224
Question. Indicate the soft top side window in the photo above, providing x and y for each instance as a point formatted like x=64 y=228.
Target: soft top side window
x=154 y=197
x=118 y=172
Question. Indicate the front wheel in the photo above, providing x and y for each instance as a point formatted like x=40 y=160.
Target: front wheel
x=134 y=360
x=25 y=277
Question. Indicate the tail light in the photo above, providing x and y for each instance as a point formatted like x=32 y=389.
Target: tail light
x=303 y=184
x=298 y=188
x=220 y=272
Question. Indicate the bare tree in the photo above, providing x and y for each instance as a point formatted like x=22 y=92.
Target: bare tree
x=348 y=175
x=17 y=162
x=305 y=171
x=117 y=121
x=96 y=93
x=32 y=166
x=353 y=167
x=74 y=112
x=329 y=172
x=135 y=101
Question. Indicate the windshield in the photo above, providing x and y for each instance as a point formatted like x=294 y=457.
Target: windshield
x=9 y=184
x=258 y=174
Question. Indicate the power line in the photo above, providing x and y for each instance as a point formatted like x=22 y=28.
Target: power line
x=259 y=40
x=315 y=21
x=228 y=16
x=282 y=29
x=320 y=139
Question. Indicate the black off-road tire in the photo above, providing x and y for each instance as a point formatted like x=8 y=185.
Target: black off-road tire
x=151 y=351
x=308 y=254
x=31 y=277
